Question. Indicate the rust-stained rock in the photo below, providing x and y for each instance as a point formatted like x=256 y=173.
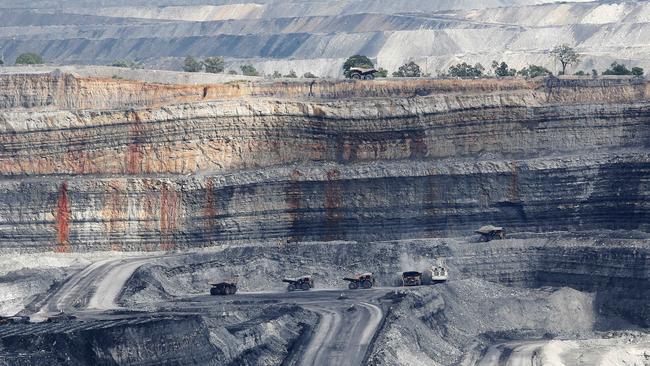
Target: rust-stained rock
x=92 y=164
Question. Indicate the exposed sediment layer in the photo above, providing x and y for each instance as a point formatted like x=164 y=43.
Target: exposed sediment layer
x=389 y=160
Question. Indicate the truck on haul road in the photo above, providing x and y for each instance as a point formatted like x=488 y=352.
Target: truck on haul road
x=363 y=280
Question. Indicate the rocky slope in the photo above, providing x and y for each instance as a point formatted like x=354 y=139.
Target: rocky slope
x=316 y=36
x=108 y=164
x=541 y=287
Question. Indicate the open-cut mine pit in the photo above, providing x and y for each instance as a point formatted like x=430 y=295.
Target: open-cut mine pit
x=122 y=201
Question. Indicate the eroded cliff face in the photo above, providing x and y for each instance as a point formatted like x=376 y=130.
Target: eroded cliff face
x=103 y=164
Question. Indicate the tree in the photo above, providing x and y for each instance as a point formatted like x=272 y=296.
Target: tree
x=191 y=65
x=502 y=69
x=637 y=71
x=309 y=75
x=465 y=70
x=356 y=61
x=248 y=70
x=580 y=73
x=534 y=71
x=566 y=55
x=617 y=69
x=2 y=62
x=291 y=74
x=408 y=70
x=214 y=65
x=29 y=58
x=594 y=73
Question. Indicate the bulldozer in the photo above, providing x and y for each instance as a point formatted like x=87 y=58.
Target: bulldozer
x=490 y=232
x=300 y=283
x=364 y=280
x=226 y=287
x=360 y=73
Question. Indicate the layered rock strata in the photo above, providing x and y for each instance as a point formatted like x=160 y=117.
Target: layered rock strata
x=354 y=161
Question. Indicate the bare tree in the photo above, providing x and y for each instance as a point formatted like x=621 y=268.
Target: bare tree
x=566 y=55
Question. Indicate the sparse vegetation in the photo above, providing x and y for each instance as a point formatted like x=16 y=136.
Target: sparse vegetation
x=126 y=64
x=356 y=61
x=502 y=69
x=309 y=75
x=29 y=58
x=233 y=72
x=621 y=69
x=120 y=63
x=408 y=70
x=276 y=74
x=214 y=65
x=580 y=73
x=381 y=73
x=248 y=70
x=566 y=55
x=291 y=74
x=465 y=70
x=191 y=65
x=534 y=71
x=594 y=73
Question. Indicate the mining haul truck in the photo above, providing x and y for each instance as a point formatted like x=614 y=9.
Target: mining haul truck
x=489 y=232
x=411 y=278
x=227 y=287
x=300 y=283
x=364 y=280
x=362 y=73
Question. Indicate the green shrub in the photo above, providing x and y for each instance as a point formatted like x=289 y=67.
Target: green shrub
x=534 y=71
x=408 y=70
x=502 y=69
x=214 y=65
x=381 y=73
x=191 y=65
x=248 y=70
x=29 y=58
x=465 y=70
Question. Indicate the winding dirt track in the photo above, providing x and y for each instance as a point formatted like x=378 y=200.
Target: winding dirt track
x=342 y=337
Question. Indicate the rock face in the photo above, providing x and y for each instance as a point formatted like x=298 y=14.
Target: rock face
x=100 y=164
x=316 y=36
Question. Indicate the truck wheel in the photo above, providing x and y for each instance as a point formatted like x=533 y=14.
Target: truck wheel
x=305 y=286
x=291 y=287
x=369 y=77
x=213 y=291
x=353 y=285
x=366 y=284
x=356 y=76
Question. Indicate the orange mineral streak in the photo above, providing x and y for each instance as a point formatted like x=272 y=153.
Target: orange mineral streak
x=169 y=207
x=63 y=213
